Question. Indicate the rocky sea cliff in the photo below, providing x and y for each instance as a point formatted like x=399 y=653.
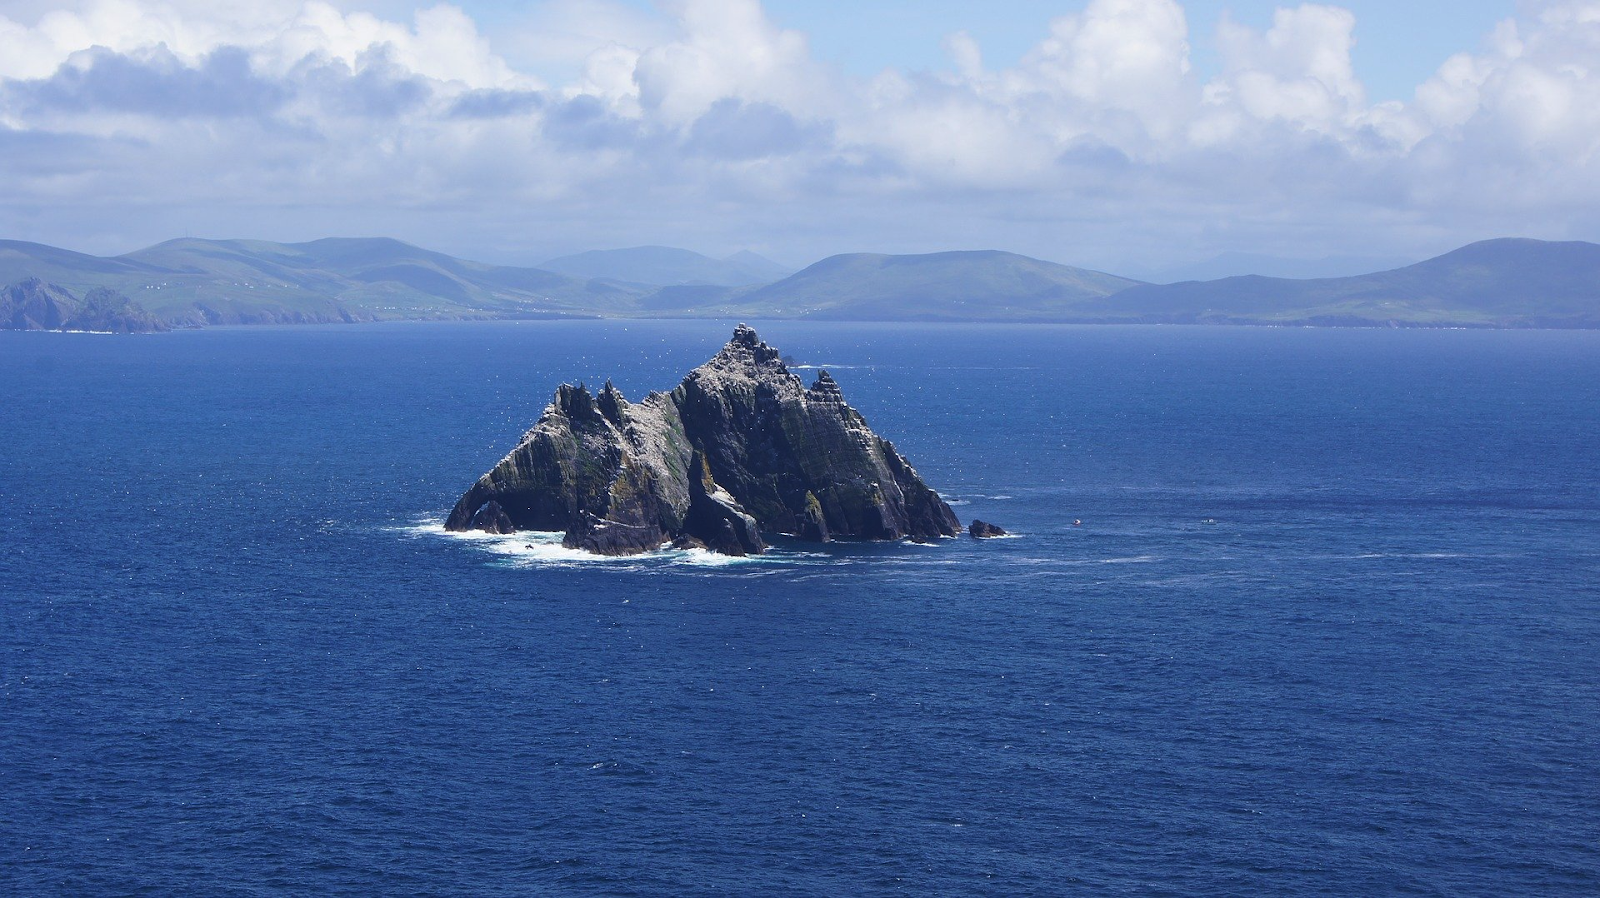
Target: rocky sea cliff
x=35 y=305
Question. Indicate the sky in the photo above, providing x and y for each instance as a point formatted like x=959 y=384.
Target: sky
x=1399 y=44
x=1124 y=135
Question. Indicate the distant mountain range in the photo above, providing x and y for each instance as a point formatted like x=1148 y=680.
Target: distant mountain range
x=197 y=282
x=954 y=286
x=1495 y=283
x=189 y=282
x=664 y=266
x=1229 y=265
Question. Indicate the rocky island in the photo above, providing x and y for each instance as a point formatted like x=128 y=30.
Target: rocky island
x=740 y=449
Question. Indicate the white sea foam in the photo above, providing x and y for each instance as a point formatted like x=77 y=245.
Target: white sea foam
x=705 y=558
x=528 y=548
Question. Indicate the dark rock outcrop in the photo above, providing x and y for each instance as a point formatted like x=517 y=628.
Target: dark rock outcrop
x=35 y=305
x=491 y=518
x=739 y=449
x=107 y=311
x=984 y=530
x=715 y=517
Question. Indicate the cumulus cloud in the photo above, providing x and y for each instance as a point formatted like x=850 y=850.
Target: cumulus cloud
x=1117 y=56
x=441 y=43
x=1298 y=71
x=559 y=37
x=606 y=125
x=153 y=82
x=732 y=129
x=726 y=49
x=1538 y=83
x=494 y=103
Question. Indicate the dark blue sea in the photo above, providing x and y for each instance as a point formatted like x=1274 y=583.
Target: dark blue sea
x=1330 y=624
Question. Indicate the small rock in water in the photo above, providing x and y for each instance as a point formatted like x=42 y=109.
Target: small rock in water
x=491 y=518
x=985 y=530
x=688 y=542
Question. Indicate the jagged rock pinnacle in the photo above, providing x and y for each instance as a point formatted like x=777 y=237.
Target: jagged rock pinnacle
x=740 y=448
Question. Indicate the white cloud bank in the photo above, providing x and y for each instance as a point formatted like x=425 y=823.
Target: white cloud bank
x=125 y=121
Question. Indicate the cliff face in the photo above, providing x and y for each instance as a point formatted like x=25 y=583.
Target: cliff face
x=108 y=311
x=741 y=447
x=35 y=305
